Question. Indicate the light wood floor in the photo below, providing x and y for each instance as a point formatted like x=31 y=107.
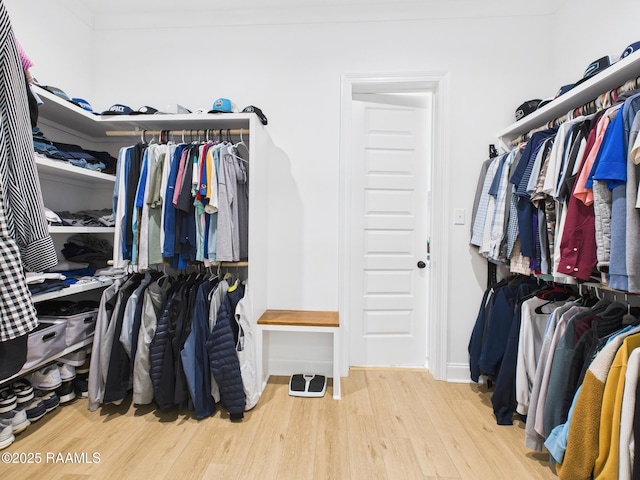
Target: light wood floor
x=389 y=424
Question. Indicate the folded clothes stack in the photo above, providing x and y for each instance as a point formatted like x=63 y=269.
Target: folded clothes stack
x=74 y=154
x=84 y=218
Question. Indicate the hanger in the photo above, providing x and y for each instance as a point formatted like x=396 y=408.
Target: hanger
x=246 y=147
x=142 y=137
x=231 y=150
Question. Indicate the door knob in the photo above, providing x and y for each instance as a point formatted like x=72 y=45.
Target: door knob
x=421 y=264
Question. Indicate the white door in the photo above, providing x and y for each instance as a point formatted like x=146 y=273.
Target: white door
x=391 y=138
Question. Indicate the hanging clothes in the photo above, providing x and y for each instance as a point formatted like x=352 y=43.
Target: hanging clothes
x=178 y=204
x=184 y=342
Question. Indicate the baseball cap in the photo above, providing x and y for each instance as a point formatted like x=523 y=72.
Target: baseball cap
x=118 y=109
x=223 y=105
x=630 y=49
x=594 y=68
x=257 y=111
x=564 y=89
x=82 y=103
x=145 y=110
x=56 y=91
x=527 y=108
x=173 y=108
x=544 y=102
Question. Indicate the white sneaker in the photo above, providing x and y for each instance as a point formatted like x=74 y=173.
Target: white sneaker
x=47 y=378
x=6 y=436
x=76 y=359
x=67 y=372
x=17 y=419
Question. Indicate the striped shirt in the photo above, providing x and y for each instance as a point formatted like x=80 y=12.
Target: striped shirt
x=483 y=204
x=24 y=237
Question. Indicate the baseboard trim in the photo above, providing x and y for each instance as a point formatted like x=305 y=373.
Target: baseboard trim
x=458 y=373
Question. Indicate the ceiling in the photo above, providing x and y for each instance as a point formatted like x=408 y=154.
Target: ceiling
x=289 y=11
x=120 y=6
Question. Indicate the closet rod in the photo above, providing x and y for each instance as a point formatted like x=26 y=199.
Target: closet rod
x=186 y=131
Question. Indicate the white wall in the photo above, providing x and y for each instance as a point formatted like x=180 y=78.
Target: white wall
x=59 y=41
x=292 y=71
x=573 y=53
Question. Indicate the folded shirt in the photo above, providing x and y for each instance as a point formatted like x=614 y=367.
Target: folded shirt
x=40 y=277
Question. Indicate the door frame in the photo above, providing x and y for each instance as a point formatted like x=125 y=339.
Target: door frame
x=438 y=84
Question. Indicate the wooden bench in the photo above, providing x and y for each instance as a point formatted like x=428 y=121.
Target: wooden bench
x=309 y=321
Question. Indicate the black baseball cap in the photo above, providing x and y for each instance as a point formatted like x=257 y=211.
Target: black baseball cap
x=257 y=111
x=146 y=110
x=527 y=108
x=594 y=68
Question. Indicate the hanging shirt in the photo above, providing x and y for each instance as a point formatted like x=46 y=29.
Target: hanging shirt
x=137 y=207
x=169 y=210
x=227 y=235
x=483 y=204
x=24 y=237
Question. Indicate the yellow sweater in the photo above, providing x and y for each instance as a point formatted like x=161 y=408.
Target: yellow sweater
x=606 y=466
x=583 y=441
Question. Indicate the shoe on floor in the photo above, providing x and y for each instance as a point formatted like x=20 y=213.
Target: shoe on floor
x=17 y=419
x=8 y=400
x=23 y=390
x=6 y=436
x=35 y=410
x=65 y=392
x=67 y=372
x=47 y=378
x=49 y=398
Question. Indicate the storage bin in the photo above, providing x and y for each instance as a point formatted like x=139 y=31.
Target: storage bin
x=45 y=341
x=79 y=326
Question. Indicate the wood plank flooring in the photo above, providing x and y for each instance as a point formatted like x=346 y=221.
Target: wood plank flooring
x=390 y=424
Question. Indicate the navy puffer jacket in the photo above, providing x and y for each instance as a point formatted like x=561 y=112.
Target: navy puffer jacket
x=223 y=357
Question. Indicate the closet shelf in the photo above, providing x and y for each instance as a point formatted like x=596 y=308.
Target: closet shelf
x=66 y=351
x=616 y=75
x=98 y=126
x=63 y=229
x=68 y=114
x=72 y=290
x=63 y=170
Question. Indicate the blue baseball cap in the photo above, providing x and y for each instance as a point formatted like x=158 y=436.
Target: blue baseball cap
x=118 y=109
x=630 y=49
x=223 y=105
x=564 y=89
x=82 y=103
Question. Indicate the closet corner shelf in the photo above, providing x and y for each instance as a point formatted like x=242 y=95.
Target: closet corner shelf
x=97 y=126
x=46 y=361
x=62 y=229
x=61 y=169
x=73 y=289
x=616 y=75
x=68 y=114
